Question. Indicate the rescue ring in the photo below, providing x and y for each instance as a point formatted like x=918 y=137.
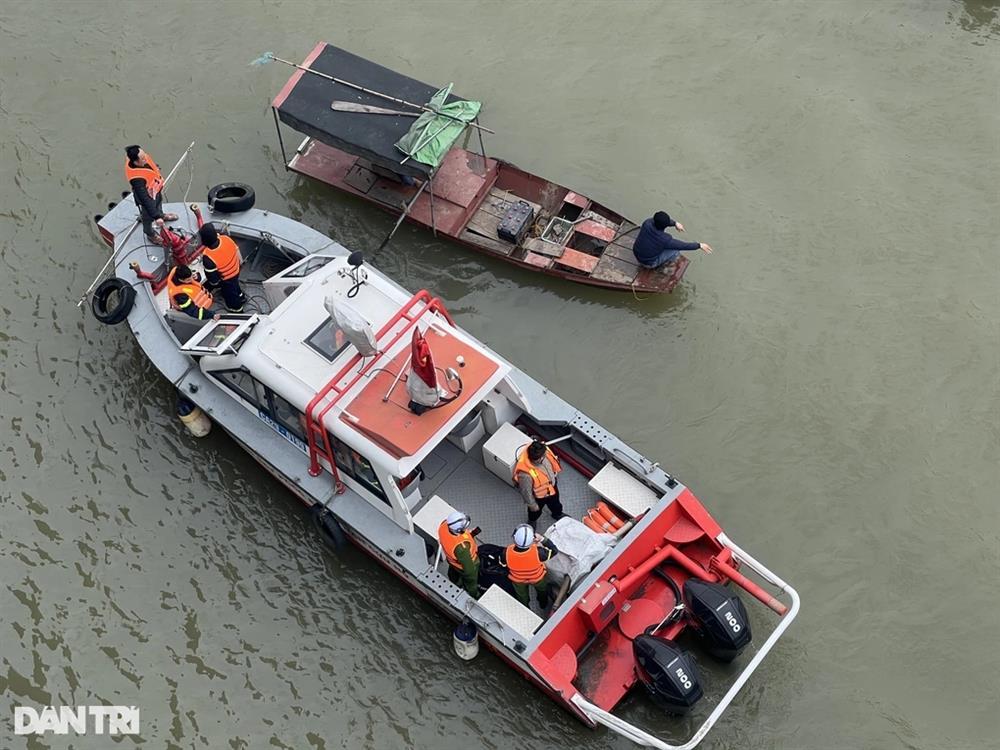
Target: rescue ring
x=231 y=198
x=112 y=301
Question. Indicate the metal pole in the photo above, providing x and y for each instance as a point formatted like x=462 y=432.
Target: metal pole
x=355 y=86
x=135 y=222
x=402 y=371
x=281 y=142
x=430 y=179
x=482 y=147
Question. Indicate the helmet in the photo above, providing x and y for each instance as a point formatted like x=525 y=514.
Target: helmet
x=523 y=536
x=457 y=521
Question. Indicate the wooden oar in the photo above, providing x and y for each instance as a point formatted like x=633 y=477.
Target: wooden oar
x=369 y=109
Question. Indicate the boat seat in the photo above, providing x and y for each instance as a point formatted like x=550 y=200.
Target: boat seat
x=509 y=611
x=426 y=522
x=577 y=261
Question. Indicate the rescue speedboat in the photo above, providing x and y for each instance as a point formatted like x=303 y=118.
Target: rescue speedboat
x=314 y=381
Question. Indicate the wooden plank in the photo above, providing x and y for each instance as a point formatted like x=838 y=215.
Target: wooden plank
x=592 y=228
x=484 y=223
x=537 y=260
x=615 y=270
x=577 y=261
x=536 y=245
x=575 y=199
x=494 y=246
x=615 y=250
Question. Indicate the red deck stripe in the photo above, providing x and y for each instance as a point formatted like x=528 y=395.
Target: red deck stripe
x=287 y=88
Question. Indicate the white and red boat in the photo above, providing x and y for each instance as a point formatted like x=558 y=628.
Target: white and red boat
x=314 y=382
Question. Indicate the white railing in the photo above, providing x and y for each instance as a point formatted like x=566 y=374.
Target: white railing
x=640 y=736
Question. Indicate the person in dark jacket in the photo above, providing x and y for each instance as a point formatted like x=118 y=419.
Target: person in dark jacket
x=654 y=248
x=147 y=187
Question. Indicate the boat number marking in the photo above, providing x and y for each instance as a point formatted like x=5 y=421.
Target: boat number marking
x=282 y=430
x=733 y=622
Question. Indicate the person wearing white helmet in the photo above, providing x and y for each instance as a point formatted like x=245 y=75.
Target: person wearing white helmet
x=525 y=560
x=460 y=549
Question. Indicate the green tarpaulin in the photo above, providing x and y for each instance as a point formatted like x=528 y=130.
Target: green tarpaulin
x=433 y=133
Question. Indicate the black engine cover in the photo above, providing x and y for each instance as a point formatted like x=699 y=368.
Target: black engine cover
x=720 y=618
x=669 y=674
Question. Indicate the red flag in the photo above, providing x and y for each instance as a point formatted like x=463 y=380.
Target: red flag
x=421 y=360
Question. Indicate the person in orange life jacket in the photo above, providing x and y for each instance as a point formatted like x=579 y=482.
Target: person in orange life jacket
x=147 y=187
x=221 y=259
x=461 y=551
x=536 y=475
x=187 y=294
x=525 y=560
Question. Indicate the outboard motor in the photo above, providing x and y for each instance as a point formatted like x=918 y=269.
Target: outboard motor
x=720 y=618
x=669 y=674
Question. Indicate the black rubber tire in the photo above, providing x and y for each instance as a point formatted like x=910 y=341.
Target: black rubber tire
x=231 y=198
x=124 y=299
x=328 y=528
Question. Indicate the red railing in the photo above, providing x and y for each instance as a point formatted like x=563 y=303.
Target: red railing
x=317 y=436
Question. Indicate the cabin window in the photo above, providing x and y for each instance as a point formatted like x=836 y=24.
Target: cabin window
x=243 y=384
x=328 y=341
x=357 y=467
x=287 y=415
x=308 y=266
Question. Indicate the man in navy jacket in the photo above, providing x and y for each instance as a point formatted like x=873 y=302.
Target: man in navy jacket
x=654 y=247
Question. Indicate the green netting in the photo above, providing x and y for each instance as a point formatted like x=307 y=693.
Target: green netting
x=433 y=133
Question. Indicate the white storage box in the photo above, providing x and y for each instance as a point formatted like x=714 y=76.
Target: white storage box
x=467 y=434
x=496 y=410
x=500 y=451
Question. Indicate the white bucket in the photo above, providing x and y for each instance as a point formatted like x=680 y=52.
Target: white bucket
x=465 y=639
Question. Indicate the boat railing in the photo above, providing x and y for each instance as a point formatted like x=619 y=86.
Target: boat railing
x=642 y=737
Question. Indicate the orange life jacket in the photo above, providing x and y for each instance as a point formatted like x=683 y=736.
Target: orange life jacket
x=450 y=541
x=525 y=565
x=196 y=293
x=541 y=484
x=225 y=257
x=150 y=173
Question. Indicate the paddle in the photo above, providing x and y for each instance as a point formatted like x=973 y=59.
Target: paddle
x=369 y=109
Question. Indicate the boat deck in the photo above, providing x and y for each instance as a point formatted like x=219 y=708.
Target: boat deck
x=463 y=481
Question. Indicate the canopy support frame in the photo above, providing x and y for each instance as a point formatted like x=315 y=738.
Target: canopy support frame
x=281 y=141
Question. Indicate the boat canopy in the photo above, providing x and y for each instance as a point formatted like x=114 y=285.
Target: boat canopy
x=304 y=105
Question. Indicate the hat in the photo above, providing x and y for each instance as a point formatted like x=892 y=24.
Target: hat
x=457 y=521
x=523 y=536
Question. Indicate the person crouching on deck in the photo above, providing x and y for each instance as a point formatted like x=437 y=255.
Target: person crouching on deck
x=525 y=560
x=535 y=475
x=461 y=550
x=221 y=259
x=187 y=294
x=654 y=248
x=147 y=188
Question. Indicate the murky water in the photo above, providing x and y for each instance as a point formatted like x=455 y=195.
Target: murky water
x=827 y=381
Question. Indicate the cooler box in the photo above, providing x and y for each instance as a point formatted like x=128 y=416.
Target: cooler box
x=500 y=451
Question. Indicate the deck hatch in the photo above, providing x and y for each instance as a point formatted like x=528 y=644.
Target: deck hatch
x=222 y=336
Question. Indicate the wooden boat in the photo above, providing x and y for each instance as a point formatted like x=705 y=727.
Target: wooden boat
x=467 y=195
x=331 y=415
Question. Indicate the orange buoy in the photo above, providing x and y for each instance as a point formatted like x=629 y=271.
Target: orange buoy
x=601 y=521
x=609 y=515
x=591 y=524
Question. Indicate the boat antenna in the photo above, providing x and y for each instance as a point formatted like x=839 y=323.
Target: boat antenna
x=269 y=56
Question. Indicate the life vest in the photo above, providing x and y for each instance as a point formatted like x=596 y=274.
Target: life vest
x=225 y=257
x=541 y=484
x=196 y=293
x=450 y=541
x=525 y=565
x=150 y=173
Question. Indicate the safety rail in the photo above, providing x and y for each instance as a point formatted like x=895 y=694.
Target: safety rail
x=642 y=737
x=317 y=437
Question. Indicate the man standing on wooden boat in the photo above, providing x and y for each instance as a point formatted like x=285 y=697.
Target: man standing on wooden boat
x=147 y=187
x=535 y=475
x=221 y=258
x=655 y=248
x=525 y=560
x=461 y=551
x=187 y=294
